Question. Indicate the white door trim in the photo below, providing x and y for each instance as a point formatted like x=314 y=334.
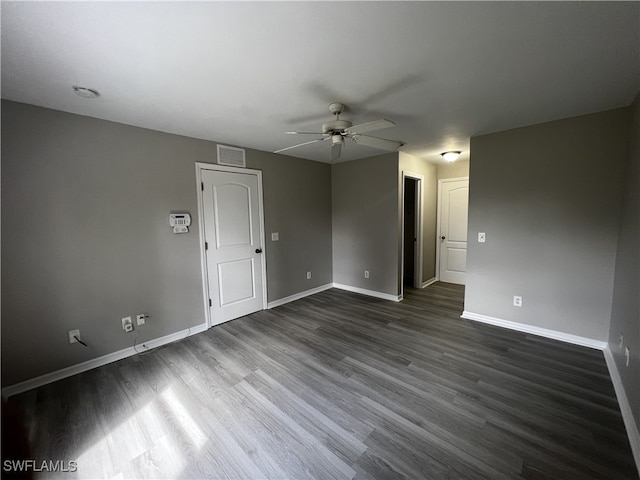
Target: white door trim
x=439 y=217
x=417 y=266
x=200 y=166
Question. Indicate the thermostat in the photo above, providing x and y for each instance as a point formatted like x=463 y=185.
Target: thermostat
x=180 y=222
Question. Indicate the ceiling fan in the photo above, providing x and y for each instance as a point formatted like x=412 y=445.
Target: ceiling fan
x=338 y=129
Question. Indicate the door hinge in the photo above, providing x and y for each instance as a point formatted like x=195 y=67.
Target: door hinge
x=202 y=186
x=206 y=246
x=210 y=304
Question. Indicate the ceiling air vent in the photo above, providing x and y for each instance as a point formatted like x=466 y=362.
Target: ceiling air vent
x=231 y=156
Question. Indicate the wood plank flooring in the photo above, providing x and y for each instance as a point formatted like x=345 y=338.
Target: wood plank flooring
x=341 y=386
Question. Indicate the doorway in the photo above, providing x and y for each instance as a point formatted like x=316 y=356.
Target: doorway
x=232 y=241
x=412 y=230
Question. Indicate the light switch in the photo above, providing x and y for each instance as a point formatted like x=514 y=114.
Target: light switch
x=275 y=236
x=481 y=237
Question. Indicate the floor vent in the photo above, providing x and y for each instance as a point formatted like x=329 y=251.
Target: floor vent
x=231 y=156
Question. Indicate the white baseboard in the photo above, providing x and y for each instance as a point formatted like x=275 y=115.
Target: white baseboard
x=298 y=296
x=431 y=281
x=370 y=293
x=625 y=407
x=99 y=362
x=543 y=332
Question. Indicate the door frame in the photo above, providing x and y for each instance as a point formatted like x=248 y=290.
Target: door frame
x=439 y=218
x=417 y=259
x=200 y=166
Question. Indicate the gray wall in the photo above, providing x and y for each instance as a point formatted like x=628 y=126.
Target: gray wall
x=297 y=198
x=86 y=241
x=365 y=223
x=548 y=197
x=625 y=315
x=453 y=170
x=409 y=163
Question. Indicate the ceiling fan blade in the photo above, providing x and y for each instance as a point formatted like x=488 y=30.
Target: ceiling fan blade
x=375 y=142
x=370 y=126
x=336 y=151
x=300 y=145
x=304 y=133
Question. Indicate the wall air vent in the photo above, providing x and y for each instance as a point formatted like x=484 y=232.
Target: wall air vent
x=231 y=156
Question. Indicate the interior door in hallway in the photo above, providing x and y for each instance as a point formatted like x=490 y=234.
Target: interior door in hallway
x=234 y=243
x=454 y=205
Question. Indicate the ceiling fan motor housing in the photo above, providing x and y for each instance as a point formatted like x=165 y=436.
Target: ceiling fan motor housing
x=336 y=126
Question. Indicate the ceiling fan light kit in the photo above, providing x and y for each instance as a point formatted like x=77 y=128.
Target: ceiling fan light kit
x=338 y=129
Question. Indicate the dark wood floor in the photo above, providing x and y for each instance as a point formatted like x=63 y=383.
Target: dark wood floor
x=339 y=385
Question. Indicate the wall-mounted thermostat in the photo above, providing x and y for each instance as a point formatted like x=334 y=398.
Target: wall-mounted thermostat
x=180 y=222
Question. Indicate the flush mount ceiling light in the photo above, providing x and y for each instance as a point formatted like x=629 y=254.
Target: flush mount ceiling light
x=451 y=156
x=85 y=92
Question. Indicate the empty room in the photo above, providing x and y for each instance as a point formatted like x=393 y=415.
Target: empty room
x=320 y=240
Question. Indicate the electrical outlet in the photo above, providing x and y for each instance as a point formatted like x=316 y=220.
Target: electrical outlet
x=127 y=325
x=140 y=318
x=621 y=341
x=517 y=301
x=627 y=352
x=366 y=274
x=275 y=236
x=72 y=335
x=308 y=275
x=482 y=237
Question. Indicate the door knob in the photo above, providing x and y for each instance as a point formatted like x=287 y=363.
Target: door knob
x=442 y=237
x=258 y=250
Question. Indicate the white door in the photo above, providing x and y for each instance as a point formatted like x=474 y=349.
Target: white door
x=233 y=234
x=454 y=205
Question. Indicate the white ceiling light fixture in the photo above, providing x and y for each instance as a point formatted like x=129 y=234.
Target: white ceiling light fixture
x=85 y=92
x=451 y=156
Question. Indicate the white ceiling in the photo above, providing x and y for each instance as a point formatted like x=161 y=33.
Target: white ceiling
x=242 y=73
